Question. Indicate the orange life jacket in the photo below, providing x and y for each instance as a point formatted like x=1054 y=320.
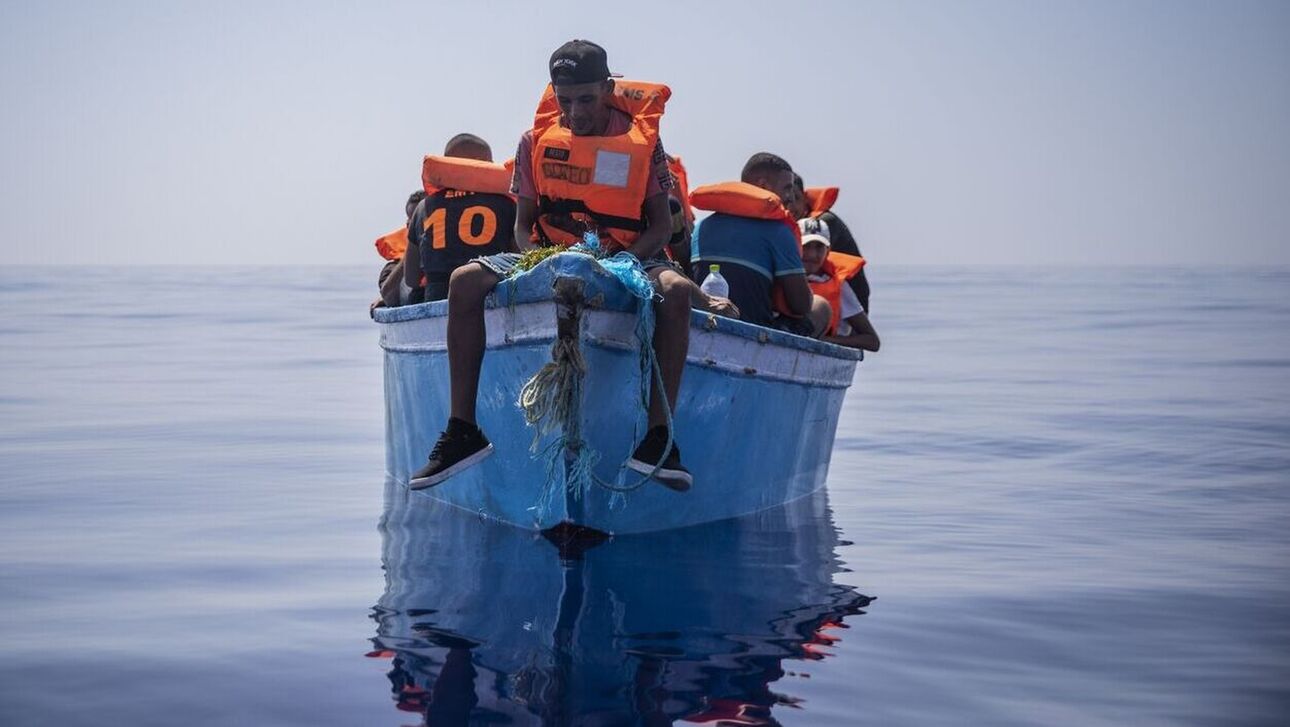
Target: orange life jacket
x=741 y=200
x=599 y=180
x=840 y=268
x=392 y=245
x=821 y=199
x=468 y=175
x=439 y=173
x=748 y=200
x=682 y=189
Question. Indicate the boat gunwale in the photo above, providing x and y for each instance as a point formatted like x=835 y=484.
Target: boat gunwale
x=507 y=296
x=548 y=335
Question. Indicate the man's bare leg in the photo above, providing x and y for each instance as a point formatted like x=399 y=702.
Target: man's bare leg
x=467 y=289
x=820 y=315
x=462 y=444
x=671 y=339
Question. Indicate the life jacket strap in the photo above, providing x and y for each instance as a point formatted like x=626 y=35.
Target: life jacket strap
x=544 y=240
x=549 y=206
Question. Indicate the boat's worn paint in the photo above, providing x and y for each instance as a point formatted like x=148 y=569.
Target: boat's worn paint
x=755 y=420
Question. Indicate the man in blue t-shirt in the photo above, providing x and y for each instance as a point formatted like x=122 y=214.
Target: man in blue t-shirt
x=755 y=255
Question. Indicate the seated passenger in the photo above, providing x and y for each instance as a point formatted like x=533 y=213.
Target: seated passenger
x=452 y=227
x=828 y=271
x=758 y=256
x=581 y=116
x=815 y=203
x=797 y=204
x=392 y=247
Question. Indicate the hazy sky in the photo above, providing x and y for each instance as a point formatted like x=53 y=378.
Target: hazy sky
x=1126 y=131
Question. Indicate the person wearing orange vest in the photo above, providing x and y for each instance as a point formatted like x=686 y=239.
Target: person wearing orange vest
x=591 y=163
x=391 y=246
x=828 y=273
x=818 y=202
x=753 y=239
x=452 y=226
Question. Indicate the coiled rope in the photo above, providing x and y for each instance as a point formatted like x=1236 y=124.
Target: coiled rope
x=552 y=399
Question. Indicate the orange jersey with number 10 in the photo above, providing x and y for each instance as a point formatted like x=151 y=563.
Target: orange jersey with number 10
x=467 y=212
x=457 y=226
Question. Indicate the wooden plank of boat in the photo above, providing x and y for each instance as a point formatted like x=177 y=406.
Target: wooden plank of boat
x=755 y=420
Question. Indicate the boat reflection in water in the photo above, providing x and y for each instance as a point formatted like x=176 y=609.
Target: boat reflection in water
x=490 y=624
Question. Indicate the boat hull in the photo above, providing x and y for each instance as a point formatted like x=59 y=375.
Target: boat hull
x=755 y=419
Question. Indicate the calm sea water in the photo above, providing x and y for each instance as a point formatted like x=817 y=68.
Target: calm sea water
x=1067 y=489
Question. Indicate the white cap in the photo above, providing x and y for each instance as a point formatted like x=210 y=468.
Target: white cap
x=814 y=229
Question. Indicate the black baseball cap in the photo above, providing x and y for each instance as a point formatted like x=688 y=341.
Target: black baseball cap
x=579 y=61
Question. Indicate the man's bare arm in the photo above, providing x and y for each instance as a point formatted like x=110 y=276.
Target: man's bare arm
x=680 y=249
x=526 y=214
x=658 y=228
x=862 y=334
x=797 y=293
x=390 y=288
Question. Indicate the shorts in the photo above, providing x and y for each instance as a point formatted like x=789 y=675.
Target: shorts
x=503 y=263
x=662 y=261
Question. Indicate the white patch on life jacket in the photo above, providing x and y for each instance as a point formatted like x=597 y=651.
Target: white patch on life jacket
x=612 y=168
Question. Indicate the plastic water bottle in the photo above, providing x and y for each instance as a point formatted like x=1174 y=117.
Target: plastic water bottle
x=715 y=286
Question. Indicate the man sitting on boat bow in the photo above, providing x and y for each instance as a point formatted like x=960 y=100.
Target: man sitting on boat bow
x=592 y=162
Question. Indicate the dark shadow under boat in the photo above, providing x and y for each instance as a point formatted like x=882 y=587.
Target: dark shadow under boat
x=490 y=624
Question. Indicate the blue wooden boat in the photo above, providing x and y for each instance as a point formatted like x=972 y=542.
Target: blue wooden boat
x=755 y=419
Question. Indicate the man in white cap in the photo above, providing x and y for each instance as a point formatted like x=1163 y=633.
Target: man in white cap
x=828 y=274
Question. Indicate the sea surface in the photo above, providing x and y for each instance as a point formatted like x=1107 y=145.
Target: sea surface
x=1058 y=496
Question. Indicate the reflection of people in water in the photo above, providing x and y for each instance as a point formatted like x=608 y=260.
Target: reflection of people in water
x=452 y=698
x=637 y=630
x=449 y=698
x=719 y=693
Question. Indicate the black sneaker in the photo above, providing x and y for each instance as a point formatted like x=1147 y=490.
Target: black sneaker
x=459 y=447
x=671 y=473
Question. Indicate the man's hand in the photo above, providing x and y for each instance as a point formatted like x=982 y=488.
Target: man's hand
x=721 y=306
x=371 y=309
